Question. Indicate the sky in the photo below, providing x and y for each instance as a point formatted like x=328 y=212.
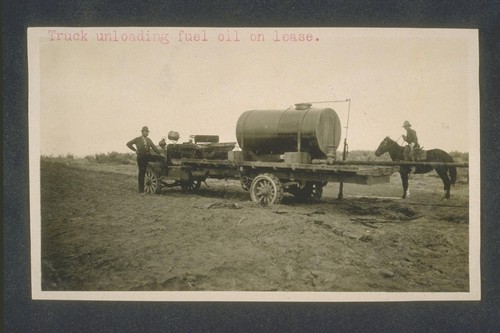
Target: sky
x=91 y=96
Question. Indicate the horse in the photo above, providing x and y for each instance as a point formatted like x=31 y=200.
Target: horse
x=434 y=155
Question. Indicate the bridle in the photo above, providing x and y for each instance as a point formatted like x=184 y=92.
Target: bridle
x=402 y=144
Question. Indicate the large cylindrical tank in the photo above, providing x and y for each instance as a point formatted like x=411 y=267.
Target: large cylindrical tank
x=304 y=128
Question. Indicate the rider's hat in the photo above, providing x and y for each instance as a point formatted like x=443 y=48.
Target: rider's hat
x=406 y=123
x=145 y=129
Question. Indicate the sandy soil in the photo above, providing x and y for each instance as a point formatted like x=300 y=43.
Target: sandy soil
x=99 y=234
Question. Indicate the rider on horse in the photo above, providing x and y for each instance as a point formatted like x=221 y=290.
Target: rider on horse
x=411 y=138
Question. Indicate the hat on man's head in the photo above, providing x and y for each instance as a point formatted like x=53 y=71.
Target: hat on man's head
x=145 y=129
x=406 y=123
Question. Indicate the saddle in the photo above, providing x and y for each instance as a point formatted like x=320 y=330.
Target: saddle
x=419 y=154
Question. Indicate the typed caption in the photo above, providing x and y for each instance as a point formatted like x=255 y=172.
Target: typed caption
x=179 y=36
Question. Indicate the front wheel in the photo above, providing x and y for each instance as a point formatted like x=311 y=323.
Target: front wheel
x=152 y=184
x=266 y=189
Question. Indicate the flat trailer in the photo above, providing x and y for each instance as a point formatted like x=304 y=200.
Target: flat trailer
x=266 y=181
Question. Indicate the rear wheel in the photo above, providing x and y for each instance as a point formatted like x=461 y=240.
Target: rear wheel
x=266 y=189
x=312 y=191
x=316 y=191
x=191 y=185
x=152 y=184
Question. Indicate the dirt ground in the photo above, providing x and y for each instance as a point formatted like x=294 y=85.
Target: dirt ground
x=99 y=234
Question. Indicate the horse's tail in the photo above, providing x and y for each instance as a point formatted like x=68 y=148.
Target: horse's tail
x=453 y=174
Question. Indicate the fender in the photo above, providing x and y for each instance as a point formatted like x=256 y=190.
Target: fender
x=157 y=167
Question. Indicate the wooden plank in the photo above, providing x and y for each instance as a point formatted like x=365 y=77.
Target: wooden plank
x=373 y=197
x=341 y=165
x=331 y=172
x=400 y=163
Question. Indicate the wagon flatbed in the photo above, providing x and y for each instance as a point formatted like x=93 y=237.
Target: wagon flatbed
x=304 y=180
x=290 y=174
x=315 y=170
x=266 y=181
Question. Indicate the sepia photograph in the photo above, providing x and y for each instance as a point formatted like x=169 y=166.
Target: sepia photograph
x=254 y=164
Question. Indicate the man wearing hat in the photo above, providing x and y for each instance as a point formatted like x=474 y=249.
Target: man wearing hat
x=142 y=148
x=411 y=138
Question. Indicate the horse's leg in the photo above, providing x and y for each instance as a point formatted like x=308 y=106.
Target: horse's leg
x=404 y=181
x=443 y=173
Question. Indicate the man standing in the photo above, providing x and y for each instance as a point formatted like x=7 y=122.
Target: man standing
x=142 y=148
x=411 y=138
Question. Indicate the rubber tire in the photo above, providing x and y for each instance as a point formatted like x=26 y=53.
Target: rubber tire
x=266 y=190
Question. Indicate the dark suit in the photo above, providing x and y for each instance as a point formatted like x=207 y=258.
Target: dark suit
x=143 y=145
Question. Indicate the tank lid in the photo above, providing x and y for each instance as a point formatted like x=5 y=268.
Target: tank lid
x=302 y=106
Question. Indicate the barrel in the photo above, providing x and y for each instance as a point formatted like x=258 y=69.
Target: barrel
x=300 y=129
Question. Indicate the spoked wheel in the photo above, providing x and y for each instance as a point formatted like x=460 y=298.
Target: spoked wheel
x=246 y=182
x=152 y=184
x=191 y=185
x=266 y=189
x=312 y=191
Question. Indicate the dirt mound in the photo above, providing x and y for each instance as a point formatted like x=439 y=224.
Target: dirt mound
x=382 y=208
